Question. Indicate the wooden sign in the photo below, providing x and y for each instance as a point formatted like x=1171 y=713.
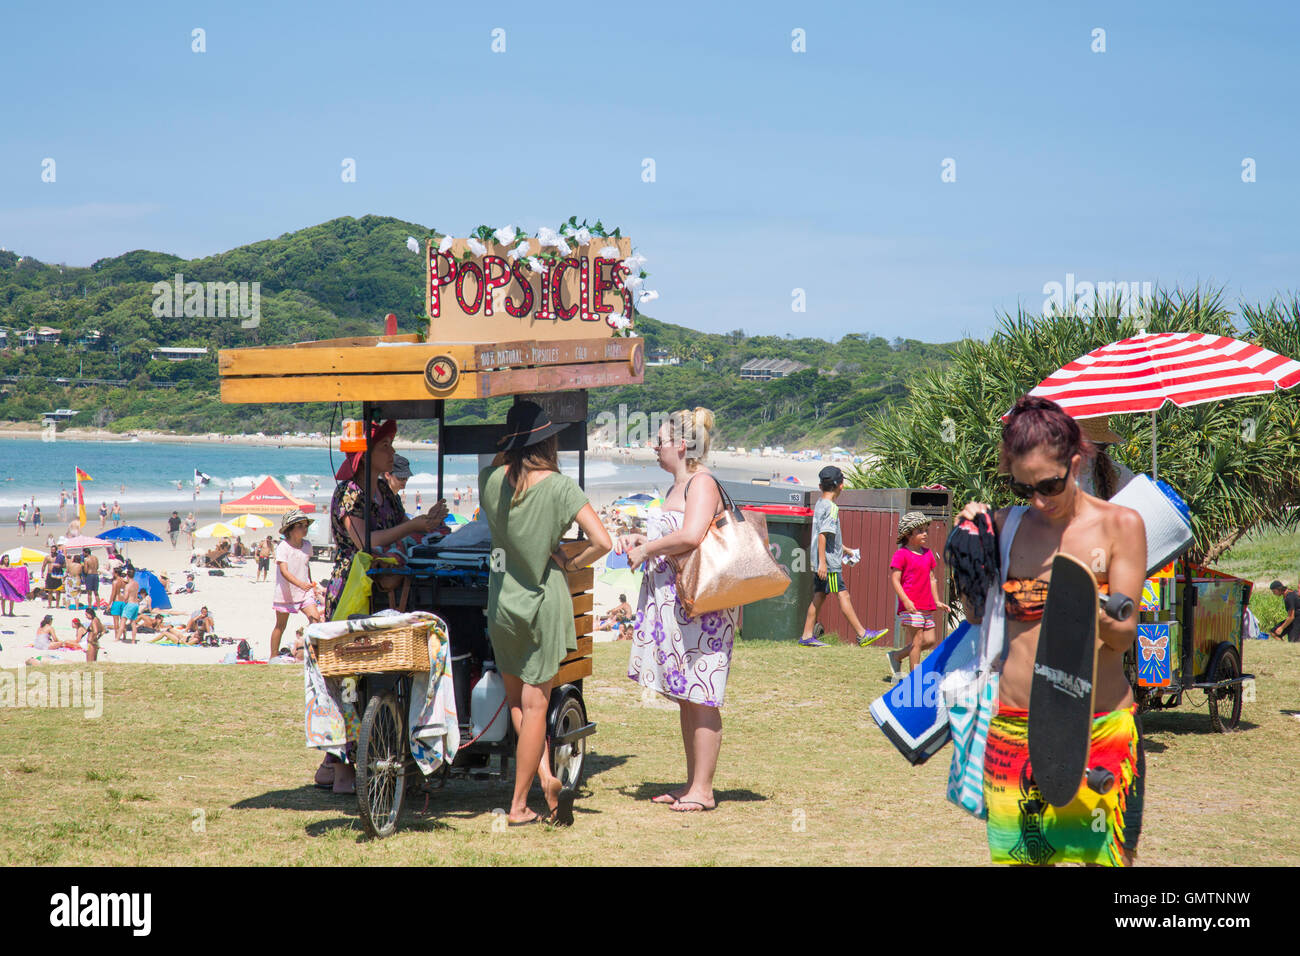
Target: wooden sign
x=505 y=292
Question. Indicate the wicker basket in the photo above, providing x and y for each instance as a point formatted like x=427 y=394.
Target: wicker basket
x=369 y=652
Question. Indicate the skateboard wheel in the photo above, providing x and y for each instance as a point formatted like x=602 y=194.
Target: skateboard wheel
x=1100 y=780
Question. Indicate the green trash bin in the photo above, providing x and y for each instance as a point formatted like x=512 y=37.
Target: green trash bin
x=780 y=618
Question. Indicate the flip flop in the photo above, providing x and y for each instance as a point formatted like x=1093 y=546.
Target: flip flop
x=690 y=803
x=538 y=818
x=562 y=815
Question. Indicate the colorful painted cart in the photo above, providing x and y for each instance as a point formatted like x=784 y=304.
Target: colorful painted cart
x=1190 y=639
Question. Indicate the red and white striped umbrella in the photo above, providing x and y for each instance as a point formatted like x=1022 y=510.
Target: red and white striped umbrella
x=1141 y=373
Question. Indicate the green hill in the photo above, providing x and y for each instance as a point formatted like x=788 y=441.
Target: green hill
x=340 y=278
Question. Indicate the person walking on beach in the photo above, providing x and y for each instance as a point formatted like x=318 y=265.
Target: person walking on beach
x=115 y=602
x=52 y=572
x=103 y=515
x=826 y=563
x=63 y=506
x=173 y=528
x=130 y=604
x=22 y=519
x=221 y=498
x=294 y=589
x=116 y=515
x=687 y=660
x=90 y=576
x=190 y=527
x=264 y=550
x=911 y=573
x=72 y=580
x=36 y=518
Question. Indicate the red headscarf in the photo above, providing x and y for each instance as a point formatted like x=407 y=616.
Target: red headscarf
x=353 y=460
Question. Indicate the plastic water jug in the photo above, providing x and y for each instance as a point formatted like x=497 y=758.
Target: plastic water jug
x=485 y=701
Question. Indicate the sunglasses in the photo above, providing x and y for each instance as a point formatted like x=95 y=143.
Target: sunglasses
x=1048 y=487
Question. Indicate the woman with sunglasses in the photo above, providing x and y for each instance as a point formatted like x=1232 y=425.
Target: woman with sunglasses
x=1043 y=450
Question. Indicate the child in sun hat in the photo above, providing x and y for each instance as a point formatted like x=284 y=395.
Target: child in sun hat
x=294 y=589
x=827 y=560
x=911 y=572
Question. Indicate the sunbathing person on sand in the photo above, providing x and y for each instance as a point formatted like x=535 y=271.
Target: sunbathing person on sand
x=47 y=640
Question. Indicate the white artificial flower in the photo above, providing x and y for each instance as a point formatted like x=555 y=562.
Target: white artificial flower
x=608 y=252
x=649 y=295
x=476 y=247
x=505 y=235
x=548 y=237
x=583 y=236
x=519 y=250
x=563 y=247
x=412 y=244
x=632 y=283
x=535 y=264
x=566 y=230
x=619 y=321
x=635 y=262
x=445 y=246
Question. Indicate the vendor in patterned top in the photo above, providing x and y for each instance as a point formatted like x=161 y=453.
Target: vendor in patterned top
x=348 y=509
x=686 y=659
x=529 y=505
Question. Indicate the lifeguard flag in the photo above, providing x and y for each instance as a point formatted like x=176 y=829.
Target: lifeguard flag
x=81 y=498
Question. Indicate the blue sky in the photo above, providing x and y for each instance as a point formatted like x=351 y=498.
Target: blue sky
x=775 y=170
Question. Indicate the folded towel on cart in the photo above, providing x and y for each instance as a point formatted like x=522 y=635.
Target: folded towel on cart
x=376 y=622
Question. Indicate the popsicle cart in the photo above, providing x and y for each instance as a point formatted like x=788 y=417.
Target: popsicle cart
x=472 y=351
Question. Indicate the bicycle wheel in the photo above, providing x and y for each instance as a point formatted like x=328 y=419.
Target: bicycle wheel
x=381 y=758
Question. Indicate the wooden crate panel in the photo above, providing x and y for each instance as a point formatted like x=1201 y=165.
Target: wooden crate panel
x=584 y=624
x=572 y=671
x=584 y=650
x=583 y=580
x=582 y=603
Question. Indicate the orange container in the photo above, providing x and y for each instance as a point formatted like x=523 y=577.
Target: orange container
x=354 y=438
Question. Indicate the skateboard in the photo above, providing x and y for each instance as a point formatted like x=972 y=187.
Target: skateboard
x=1061 y=696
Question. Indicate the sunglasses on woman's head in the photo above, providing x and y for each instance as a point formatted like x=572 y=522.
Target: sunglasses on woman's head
x=1048 y=487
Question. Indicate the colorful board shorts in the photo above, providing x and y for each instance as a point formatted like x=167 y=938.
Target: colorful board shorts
x=130 y=612
x=833 y=584
x=922 y=619
x=1094 y=828
x=115 y=609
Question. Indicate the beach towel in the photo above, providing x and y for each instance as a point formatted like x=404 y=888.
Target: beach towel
x=434 y=723
x=913 y=715
x=14 y=584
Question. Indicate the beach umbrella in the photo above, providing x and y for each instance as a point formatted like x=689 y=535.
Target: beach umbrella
x=640 y=496
x=81 y=541
x=615 y=561
x=793 y=480
x=1142 y=373
x=453 y=520
x=624 y=579
x=129 y=532
x=18 y=556
x=837 y=450
x=217 y=530
x=251 y=522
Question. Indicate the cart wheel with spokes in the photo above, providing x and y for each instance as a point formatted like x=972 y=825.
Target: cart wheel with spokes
x=1225 y=703
x=381 y=760
x=567 y=714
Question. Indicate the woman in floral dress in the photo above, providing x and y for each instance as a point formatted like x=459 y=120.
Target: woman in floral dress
x=685 y=659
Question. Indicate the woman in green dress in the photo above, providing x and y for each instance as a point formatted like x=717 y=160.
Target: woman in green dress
x=528 y=504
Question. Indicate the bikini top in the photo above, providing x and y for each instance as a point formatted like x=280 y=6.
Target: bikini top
x=1027 y=597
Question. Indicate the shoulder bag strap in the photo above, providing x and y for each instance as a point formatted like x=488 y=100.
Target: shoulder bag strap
x=727 y=503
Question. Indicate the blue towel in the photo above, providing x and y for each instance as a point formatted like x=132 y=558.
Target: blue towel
x=912 y=715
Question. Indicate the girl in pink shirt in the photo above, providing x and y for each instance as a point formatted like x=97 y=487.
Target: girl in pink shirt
x=911 y=572
x=294 y=589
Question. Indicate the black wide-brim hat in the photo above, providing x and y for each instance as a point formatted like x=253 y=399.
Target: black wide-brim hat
x=527 y=424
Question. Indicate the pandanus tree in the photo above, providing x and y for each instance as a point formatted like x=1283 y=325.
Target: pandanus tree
x=1235 y=462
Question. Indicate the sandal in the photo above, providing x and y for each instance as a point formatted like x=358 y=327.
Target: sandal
x=325 y=775
x=535 y=818
x=701 y=808
x=562 y=815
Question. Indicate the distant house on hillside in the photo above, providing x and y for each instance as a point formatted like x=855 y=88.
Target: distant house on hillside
x=58 y=415
x=90 y=338
x=41 y=336
x=177 y=354
x=764 y=370
x=661 y=357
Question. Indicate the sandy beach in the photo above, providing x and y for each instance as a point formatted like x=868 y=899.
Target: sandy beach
x=241 y=606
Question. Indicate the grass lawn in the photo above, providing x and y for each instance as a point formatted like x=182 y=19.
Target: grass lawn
x=205 y=765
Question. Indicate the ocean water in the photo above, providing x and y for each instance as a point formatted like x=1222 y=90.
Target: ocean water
x=145 y=474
